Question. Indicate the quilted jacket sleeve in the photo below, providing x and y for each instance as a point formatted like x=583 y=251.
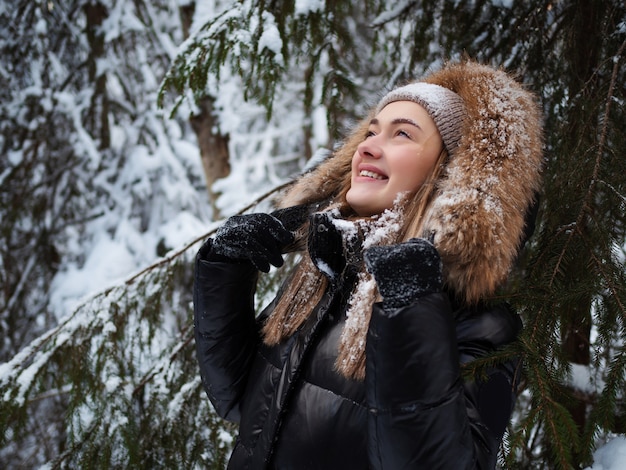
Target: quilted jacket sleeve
x=225 y=330
x=422 y=414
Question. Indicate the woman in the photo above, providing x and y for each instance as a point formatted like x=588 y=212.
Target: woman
x=404 y=234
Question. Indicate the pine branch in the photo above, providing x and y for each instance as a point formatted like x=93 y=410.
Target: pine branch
x=177 y=254
x=602 y=414
x=613 y=288
x=186 y=338
x=586 y=203
x=19 y=377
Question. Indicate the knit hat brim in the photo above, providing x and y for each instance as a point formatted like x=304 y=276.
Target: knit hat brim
x=444 y=106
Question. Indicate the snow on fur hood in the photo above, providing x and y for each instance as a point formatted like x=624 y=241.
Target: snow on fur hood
x=477 y=216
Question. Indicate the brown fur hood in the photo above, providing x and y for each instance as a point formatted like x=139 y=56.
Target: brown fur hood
x=478 y=213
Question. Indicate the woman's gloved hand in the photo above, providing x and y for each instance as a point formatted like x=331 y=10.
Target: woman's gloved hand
x=325 y=245
x=406 y=271
x=259 y=238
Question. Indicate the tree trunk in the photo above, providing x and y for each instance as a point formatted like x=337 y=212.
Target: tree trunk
x=98 y=118
x=213 y=145
x=213 y=148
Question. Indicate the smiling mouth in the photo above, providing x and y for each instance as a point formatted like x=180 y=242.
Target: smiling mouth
x=371 y=174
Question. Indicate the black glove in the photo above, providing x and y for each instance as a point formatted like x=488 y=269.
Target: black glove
x=258 y=238
x=334 y=245
x=406 y=271
x=325 y=245
x=292 y=217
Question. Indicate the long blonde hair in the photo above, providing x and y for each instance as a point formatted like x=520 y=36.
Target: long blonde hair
x=307 y=284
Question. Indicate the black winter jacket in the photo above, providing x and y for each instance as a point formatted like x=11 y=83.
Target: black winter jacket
x=413 y=411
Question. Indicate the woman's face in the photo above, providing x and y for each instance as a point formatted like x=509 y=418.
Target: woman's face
x=400 y=150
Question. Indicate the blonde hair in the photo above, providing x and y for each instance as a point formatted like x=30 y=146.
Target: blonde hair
x=307 y=285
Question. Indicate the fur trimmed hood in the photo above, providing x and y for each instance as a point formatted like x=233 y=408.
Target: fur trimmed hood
x=477 y=216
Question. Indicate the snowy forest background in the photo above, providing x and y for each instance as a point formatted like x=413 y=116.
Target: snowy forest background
x=130 y=129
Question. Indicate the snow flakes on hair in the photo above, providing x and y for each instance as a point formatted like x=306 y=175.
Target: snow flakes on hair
x=380 y=230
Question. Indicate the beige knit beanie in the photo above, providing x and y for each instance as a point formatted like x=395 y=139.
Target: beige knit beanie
x=444 y=106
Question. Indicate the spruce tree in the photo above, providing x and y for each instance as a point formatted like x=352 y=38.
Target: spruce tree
x=121 y=365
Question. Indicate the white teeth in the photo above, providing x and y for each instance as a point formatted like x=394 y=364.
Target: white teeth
x=371 y=174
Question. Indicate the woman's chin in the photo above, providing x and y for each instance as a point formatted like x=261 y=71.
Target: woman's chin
x=363 y=209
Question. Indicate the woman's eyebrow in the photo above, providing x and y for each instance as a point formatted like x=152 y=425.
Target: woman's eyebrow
x=406 y=121
x=375 y=122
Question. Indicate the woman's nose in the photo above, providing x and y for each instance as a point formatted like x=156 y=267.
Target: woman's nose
x=370 y=148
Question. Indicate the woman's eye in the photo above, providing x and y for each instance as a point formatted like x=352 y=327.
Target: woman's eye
x=403 y=134
x=369 y=134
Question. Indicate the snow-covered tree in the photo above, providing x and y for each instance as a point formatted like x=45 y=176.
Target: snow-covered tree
x=103 y=201
x=95 y=183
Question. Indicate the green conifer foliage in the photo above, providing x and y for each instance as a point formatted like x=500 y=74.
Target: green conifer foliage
x=115 y=384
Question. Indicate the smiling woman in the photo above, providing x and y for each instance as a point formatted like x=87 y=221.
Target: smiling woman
x=404 y=233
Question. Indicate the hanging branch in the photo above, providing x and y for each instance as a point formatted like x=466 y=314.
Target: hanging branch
x=178 y=253
x=19 y=376
x=586 y=204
